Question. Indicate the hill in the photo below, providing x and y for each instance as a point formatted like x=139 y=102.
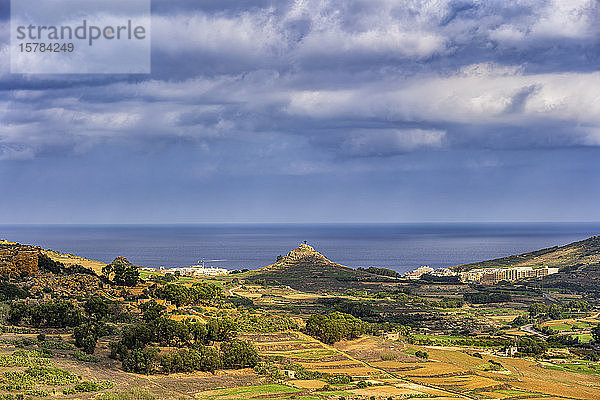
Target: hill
x=573 y=255
x=583 y=279
x=306 y=269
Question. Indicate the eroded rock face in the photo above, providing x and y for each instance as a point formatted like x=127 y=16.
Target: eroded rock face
x=19 y=260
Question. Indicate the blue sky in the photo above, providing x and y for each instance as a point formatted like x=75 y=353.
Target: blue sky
x=318 y=111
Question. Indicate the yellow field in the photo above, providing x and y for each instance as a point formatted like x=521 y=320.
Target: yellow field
x=459 y=372
x=402 y=389
x=434 y=369
x=70 y=259
x=463 y=383
x=308 y=383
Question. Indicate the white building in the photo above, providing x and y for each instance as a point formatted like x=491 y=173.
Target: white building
x=200 y=270
x=417 y=273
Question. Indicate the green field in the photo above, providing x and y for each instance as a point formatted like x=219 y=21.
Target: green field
x=580 y=366
x=249 y=392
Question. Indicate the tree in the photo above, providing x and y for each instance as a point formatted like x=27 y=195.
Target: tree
x=123 y=272
x=9 y=292
x=137 y=336
x=220 y=329
x=531 y=346
x=596 y=333
x=238 y=354
x=152 y=310
x=59 y=314
x=87 y=335
x=141 y=361
x=334 y=327
x=97 y=308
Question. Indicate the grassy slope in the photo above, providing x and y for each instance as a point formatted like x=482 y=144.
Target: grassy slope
x=580 y=253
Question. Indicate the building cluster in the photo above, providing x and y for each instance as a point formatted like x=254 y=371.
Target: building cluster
x=417 y=273
x=199 y=270
x=485 y=275
x=495 y=275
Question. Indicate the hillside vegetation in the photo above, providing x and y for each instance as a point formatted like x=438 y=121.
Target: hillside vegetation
x=577 y=254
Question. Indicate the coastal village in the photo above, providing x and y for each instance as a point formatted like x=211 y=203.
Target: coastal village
x=480 y=275
x=484 y=275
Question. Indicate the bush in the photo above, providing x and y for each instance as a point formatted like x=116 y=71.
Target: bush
x=486 y=298
x=10 y=292
x=422 y=354
x=88 y=387
x=339 y=379
x=24 y=358
x=82 y=356
x=56 y=345
x=51 y=376
x=131 y=394
x=59 y=314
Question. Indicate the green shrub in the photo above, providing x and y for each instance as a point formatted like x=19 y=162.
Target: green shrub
x=51 y=376
x=339 y=379
x=131 y=394
x=56 y=345
x=88 y=387
x=82 y=356
x=23 y=358
x=422 y=354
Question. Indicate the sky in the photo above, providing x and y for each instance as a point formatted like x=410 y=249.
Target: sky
x=317 y=111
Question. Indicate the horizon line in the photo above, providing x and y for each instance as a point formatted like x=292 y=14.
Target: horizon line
x=297 y=223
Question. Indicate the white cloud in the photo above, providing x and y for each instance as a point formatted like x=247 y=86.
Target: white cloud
x=487 y=96
x=391 y=141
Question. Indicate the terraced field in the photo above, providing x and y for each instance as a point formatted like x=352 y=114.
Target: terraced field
x=253 y=392
x=310 y=353
x=463 y=375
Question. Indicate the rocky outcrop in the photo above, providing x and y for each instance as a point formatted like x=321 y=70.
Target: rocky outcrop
x=19 y=260
x=305 y=253
x=306 y=269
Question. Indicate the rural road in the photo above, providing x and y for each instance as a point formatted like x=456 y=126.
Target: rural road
x=529 y=329
x=550 y=298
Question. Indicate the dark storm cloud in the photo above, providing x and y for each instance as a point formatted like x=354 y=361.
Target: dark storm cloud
x=380 y=92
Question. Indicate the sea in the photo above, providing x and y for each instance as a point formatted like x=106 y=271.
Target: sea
x=401 y=247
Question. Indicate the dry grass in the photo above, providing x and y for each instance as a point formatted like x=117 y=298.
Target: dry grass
x=68 y=259
x=308 y=383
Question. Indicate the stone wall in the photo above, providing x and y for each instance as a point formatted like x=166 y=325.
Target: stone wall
x=18 y=260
